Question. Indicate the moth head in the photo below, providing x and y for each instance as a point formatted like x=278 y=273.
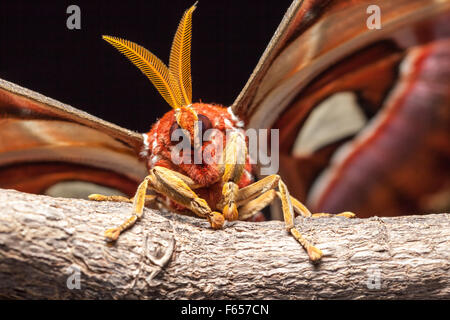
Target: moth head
x=173 y=82
x=193 y=124
x=186 y=118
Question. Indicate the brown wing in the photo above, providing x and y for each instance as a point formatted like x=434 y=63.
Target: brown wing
x=44 y=142
x=363 y=114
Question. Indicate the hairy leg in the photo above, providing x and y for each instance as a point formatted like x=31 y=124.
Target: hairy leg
x=259 y=194
x=177 y=188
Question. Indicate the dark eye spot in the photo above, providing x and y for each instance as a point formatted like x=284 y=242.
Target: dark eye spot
x=206 y=123
x=174 y=127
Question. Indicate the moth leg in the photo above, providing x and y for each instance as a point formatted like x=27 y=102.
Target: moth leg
x=232 y=166
x=301 y=209
x=345 y=214
x=314 y=253
x=166 y=182
x=178 y=188
x=255 y=197
x=254 y=206
x=138 y=208
x=99 y=197
x=228 y=202
x=268 y=183
x=260 y=188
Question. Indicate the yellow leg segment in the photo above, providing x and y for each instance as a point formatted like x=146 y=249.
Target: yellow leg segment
x=254 y=206
x=314 y=253
x=138 y=208
x=99 y=197
x=346 y=214
x=263 y=191
x=171 y=184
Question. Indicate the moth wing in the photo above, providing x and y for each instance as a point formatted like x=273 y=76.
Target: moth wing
x=326 y=50
x=44 y=142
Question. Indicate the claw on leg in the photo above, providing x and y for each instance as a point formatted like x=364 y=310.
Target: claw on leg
x=112 y=234
x=229 y=192
x=230 y=212
x=216 y=219
x=314 y=253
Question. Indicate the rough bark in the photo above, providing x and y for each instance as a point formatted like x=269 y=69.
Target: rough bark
x=43 y=240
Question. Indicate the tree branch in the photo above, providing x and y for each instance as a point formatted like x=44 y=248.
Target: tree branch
x=44 y=241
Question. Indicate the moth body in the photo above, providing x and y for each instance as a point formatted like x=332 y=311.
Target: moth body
x=160 y=146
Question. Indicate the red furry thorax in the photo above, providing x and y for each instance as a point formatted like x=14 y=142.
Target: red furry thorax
x=160 y=145
x=208 y=175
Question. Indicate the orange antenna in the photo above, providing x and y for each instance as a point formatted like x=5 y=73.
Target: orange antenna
x=173 y=83
x=180 y=56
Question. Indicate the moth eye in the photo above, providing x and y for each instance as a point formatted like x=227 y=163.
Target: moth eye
x=206 y=123
x=174 y=127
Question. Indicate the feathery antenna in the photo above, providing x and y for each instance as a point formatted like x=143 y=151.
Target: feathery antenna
x=151 y=66
x=180 y=56
x=173 y=83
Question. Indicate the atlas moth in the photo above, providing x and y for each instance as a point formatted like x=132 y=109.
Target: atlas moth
x=363 y=118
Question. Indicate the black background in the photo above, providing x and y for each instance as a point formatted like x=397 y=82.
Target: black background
x=77 y=67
